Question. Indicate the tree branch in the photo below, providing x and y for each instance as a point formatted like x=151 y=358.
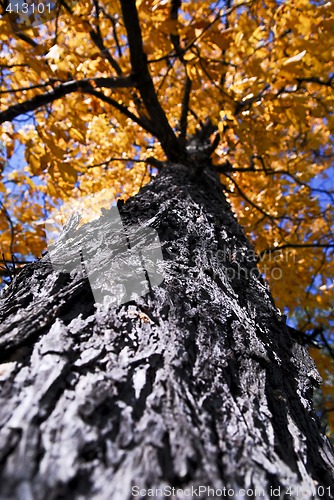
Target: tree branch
x=26 y=39
x=254 y=205
x=96 y=37
x=61 y=90
x=144 y=83
x=294 y=245
x=197 y=37
x=314 y=79
x=175 y=39
x=185 y=109
x=8 y=267
x=144 y=123
x=115 y=36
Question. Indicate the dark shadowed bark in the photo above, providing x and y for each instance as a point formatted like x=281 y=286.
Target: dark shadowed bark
x=198 y=383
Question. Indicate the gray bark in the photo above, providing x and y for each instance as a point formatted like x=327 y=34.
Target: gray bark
x=197 y=383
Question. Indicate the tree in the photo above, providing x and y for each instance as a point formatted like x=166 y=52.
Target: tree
x=199 y=382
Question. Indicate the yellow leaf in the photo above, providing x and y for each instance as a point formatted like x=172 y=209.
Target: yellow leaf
x=294 y=59
x=68 y=173
x=77 y=135
x=56 y=150
x=34 y=164
x=10 y=148
x=304 y=24
x=169 y=26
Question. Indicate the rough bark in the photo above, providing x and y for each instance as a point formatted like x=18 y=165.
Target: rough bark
x=198 y=383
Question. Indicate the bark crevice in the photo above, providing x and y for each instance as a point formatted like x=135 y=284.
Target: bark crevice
x=196 y=383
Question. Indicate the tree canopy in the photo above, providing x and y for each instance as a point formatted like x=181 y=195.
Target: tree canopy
x=103 y=93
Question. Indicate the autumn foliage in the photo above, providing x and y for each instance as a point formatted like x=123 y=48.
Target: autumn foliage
x=97 y=97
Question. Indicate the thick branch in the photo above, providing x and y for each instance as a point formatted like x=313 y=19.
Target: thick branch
x=142 y=77
x=175 y=38
x=60 y=91
x=185 y=109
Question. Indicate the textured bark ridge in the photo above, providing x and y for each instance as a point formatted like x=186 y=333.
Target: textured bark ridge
x=197 y=383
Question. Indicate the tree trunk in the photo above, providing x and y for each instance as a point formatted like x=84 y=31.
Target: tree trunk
x=195 y=385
